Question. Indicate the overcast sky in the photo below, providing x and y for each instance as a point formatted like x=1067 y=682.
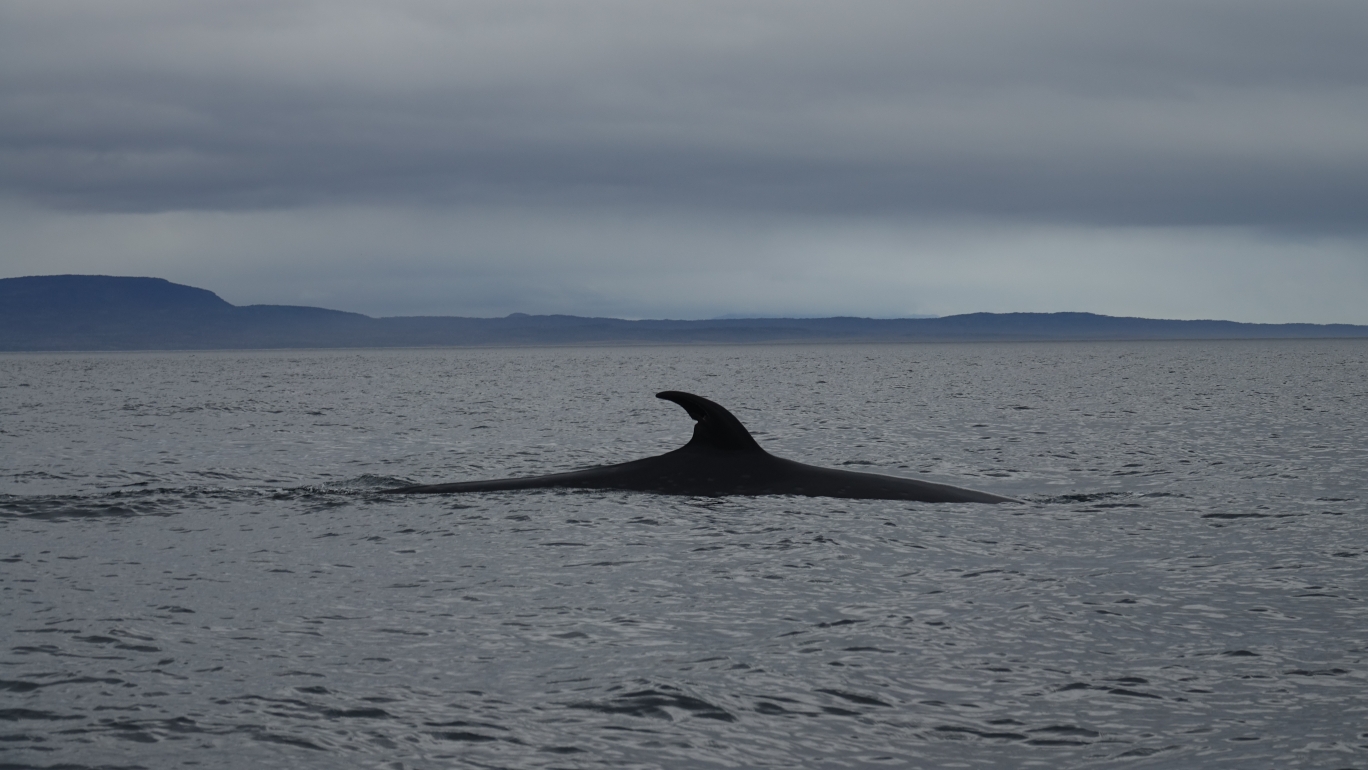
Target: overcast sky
x=692 y=158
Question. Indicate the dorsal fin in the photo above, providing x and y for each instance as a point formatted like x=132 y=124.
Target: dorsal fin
x=716 y=428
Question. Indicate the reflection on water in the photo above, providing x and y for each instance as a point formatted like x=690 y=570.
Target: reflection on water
x=196 y=568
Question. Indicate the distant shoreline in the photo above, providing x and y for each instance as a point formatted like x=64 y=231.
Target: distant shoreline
x=79 y=313
x=620 y=345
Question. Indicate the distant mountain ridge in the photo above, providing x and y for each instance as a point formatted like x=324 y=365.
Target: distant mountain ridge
x=91 y=312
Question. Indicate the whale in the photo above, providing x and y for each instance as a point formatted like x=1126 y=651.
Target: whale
x=722 y=459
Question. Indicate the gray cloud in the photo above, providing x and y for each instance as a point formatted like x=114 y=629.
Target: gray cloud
x=1158 y=113
x=1184 y=159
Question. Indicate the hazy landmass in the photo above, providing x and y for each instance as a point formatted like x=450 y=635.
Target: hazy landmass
x=88 y=312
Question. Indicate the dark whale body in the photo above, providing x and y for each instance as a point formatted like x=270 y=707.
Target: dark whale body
x=723 y=459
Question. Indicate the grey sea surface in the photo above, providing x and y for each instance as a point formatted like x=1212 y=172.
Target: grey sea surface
x=196 y=567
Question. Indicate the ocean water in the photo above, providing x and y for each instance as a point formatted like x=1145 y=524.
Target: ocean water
x=196 y=568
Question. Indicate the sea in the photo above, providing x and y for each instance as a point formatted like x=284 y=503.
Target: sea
x=198 y=569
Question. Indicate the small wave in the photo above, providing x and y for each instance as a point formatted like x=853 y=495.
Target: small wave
x=119 y=504
x=1081 y=497
x=37 y=476
x=659 y=702
x=364 y=485
x=863 y=700
x=169 y=501
x=17 y=715
x=959 y=730
x=365 y=482
x=1234 y=515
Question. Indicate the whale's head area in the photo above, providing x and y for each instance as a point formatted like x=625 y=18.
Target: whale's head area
x=715 y=427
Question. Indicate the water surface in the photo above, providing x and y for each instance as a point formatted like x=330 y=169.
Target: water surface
x=196 y=568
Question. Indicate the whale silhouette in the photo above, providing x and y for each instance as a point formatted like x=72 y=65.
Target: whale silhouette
x=723 y=459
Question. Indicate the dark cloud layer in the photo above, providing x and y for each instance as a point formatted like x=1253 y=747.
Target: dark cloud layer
x=693 y=158
x=1160 y=113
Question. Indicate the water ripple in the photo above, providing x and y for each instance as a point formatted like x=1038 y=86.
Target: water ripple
x=197 y=565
